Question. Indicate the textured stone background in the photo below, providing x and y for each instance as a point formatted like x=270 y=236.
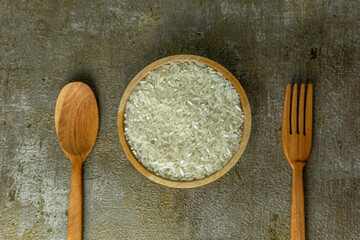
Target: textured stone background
x=265 y=44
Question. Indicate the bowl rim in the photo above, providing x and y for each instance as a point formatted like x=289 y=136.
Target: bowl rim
x=246 y=124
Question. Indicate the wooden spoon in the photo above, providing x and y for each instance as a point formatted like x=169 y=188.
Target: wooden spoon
x=77 y=122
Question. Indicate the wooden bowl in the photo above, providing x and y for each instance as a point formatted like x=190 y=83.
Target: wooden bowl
x=246 y=127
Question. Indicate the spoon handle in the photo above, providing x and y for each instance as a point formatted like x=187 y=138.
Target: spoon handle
x=75 y=217
x=297 y=204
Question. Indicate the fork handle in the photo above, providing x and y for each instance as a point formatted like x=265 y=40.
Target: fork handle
x=297 y=203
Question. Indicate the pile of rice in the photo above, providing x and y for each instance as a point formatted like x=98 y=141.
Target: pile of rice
x=184 y=121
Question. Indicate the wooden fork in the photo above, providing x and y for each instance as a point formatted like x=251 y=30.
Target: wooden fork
x=296 y=142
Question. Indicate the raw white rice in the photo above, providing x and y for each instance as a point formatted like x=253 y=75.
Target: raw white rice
x=184 y=121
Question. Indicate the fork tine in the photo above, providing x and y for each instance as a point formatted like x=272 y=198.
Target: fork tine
x=286 y=110
x=301 y=109
x=309 y=110
x=294 y=110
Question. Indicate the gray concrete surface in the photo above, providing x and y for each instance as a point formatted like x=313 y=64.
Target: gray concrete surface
x=265 y=44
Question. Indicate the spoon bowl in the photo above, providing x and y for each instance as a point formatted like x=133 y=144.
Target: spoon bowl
x=77 y=123
x=76 y=119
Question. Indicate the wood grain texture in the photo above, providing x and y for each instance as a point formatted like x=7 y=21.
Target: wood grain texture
x=77 y=123
x=297 y=146
x=246 y=125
